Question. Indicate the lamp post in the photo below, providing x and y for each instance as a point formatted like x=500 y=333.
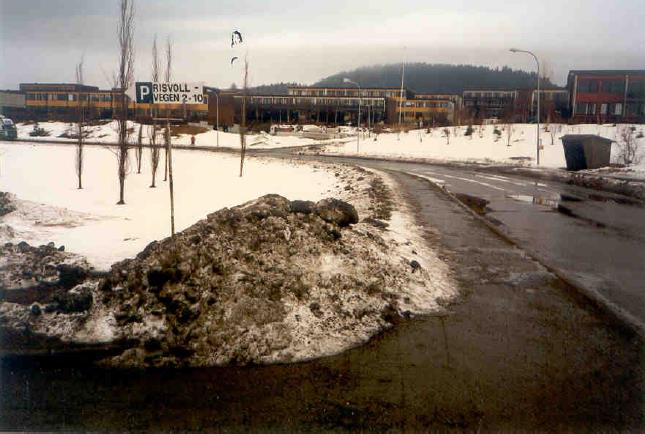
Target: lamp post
x=358 y=124
x=515 y=50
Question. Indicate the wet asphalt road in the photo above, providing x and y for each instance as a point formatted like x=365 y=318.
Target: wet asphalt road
x=518 y=350
x=596 y=239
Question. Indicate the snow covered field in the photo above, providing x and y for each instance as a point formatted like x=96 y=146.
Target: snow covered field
x=481 y=147
x=107 y=133
x=90 y=223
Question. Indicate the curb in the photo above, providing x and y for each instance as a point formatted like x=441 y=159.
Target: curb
x=597 y=300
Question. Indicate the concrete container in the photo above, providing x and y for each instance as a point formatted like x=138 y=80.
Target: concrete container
x=586 y=151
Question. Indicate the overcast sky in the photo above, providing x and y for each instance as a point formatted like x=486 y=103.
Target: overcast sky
x=303 y=41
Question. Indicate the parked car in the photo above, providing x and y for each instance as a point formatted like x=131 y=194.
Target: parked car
x=8 y=129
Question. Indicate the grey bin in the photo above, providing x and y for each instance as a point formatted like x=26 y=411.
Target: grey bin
x=586 y=151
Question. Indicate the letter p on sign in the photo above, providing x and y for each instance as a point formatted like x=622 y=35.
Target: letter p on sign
x=144 y=92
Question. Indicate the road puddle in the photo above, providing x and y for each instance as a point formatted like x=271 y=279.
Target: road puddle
x=536 y=200
x=557 y=205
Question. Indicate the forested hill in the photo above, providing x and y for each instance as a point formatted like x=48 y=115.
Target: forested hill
x=424 y=77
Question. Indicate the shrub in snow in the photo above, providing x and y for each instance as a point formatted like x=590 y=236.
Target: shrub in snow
x=628 y=146
x=446 y=133
x=39 y=132
x=497 y=133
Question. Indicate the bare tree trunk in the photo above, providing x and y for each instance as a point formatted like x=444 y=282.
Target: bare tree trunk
x=154 y=150
x=122 y=152
x=80 y=125
x=139 y=148
x=169 y=142
x=509 y=134
x=243 y=116
x=123 y=80
x=154 y=153
x=79 y=159
x=170 y=184
x=165 y=157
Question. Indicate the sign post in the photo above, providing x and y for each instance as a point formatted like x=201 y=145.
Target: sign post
x=169 y=93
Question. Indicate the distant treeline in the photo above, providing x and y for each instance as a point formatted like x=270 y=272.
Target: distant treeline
x=422 y=77
x=425 y=77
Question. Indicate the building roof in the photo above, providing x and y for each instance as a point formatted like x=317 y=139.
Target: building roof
x=491 y=90
x=585 y=137
x=261 y=95
x=57 y=87
x=608 y=71
x=398 y=89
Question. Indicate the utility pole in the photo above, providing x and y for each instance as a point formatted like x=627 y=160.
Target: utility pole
x=217 y=117
x=402 y=86
x=515 y=50
x=358 y=124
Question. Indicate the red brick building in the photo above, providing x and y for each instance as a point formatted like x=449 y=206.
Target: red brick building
x=607 y=96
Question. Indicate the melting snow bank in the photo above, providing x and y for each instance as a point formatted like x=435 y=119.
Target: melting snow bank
x=269 y=281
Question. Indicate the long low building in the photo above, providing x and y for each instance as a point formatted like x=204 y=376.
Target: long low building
x=590 y=96
x=62 y=101
x=334 y=105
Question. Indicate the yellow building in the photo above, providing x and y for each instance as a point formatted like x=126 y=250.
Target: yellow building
x=425 y=110
x=53 y=100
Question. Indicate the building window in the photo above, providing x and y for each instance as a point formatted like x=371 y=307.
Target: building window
x=618 y=109
x=636 y=89
x=581 y=108
x=603 y=109
x=614 y=86
x=587 y=86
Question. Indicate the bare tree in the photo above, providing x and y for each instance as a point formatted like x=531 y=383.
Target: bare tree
x=168 y=140
x=139 y=154
x=446 y=133
x=628 y=146
x=167 y=80
x=123 y=80
x=510 y=129
x=154 y=149
x=80 y=125
x=554 y=130
x=243 y=115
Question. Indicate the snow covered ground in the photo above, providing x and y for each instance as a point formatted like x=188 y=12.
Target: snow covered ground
x=107 y=133
x=90 y=223
x=483 y=146
x=410 y=276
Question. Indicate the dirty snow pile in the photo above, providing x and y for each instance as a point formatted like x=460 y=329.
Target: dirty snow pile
x=487 y=144
x=274 y=280
x=268 y=281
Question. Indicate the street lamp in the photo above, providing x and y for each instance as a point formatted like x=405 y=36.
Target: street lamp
x=358 y=124
x=515 y=50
